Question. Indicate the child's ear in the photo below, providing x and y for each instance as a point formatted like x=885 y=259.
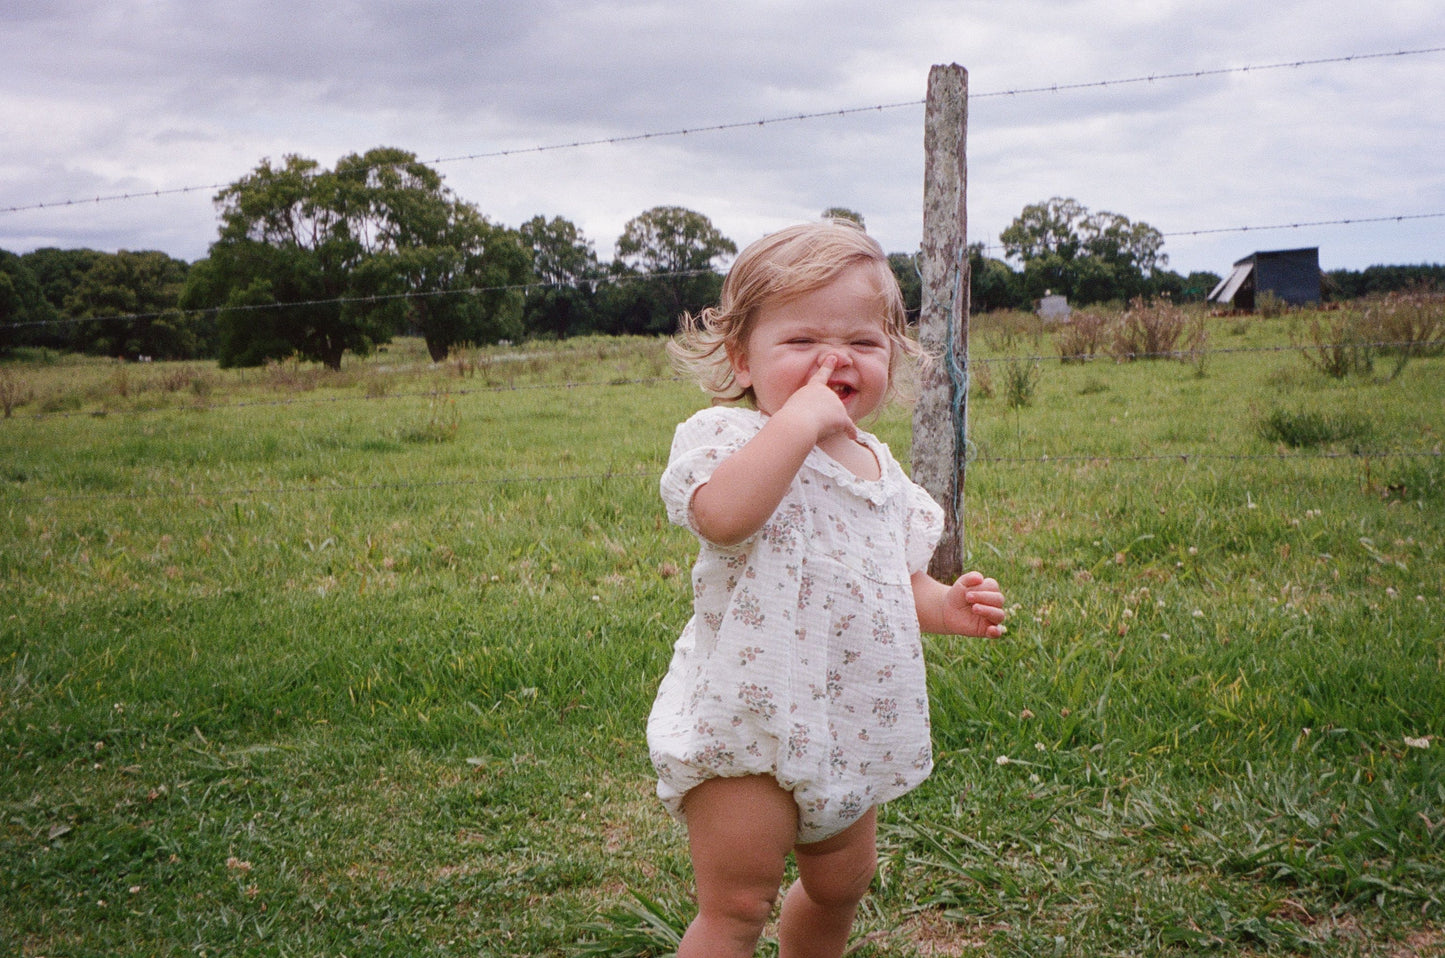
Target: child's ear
x=738 y=356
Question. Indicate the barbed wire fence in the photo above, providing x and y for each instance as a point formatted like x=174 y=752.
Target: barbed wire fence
x=202 y=405
x=1041 y=460
x=1053 y=88
x=1056 y=88
x=163 y=491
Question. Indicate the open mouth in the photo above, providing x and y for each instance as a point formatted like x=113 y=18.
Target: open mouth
x=843 y=390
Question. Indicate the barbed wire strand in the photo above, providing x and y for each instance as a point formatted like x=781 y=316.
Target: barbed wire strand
x=374 y=299
x=594 y=284
x=1054 y=88
x=239 y=492
x=439 y=391
x=1353 y=221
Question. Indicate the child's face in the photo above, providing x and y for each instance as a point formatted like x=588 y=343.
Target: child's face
x=790 y=340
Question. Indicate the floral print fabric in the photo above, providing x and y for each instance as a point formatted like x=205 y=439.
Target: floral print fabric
x=803 y=658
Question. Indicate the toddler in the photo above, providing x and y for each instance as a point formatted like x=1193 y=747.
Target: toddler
x=795 y=703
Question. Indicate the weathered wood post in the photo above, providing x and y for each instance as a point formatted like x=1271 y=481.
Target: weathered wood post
x=940 y=420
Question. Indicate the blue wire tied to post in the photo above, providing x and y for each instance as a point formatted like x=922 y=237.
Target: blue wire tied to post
x=954 y=369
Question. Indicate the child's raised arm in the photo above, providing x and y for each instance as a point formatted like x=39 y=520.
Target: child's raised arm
x=971 y=606
x=748 y=486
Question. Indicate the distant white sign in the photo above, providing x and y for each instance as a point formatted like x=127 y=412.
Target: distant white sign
x=1054 y=309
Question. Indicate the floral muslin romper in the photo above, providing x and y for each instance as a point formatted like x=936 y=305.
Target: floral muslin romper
x=803 y=658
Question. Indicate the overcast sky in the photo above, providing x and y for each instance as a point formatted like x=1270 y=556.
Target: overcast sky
x=106 y=97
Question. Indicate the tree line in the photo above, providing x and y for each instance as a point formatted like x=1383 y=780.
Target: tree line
x=315 y=263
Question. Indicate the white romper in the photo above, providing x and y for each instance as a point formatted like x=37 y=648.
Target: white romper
x=803 y=657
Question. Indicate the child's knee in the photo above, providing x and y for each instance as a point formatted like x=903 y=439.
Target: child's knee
x=838 y=880
x=742 y=907
x=842 y=887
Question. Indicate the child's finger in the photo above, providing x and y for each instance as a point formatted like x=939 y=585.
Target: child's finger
x=824 y=370
x=989 y=611
x=984 y=594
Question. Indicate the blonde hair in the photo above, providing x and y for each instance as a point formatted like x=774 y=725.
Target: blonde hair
x=789 y=263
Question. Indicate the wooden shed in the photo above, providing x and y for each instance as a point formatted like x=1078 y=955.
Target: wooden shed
x=1291 y=274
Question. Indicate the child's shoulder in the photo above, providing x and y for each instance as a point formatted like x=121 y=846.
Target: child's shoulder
x=721 y=420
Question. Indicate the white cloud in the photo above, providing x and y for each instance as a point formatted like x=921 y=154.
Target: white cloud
x=136 y=96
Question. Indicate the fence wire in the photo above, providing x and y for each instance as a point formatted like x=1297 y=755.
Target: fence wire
x=1178 y=458
x=252 y=491
x=1053 y=88
x=446 y=391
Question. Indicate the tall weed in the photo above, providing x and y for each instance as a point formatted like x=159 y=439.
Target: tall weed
x=13 y=392
x=1004 y=329
x=980 y=380
x=1021 y=381
x=1408 y=325
x=442 y=420
x=1344 y=345
x=1157 y=329
x=1080 y=338
x=290 y=375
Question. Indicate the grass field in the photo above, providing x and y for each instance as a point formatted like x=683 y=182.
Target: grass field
x=357 y=663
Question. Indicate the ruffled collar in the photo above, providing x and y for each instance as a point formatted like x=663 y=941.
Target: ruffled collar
x=874 y=490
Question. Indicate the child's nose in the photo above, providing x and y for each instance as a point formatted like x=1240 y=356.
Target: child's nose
x=840 y=357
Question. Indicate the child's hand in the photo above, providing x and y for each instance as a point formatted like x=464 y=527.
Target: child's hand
x=974 y=606
x=817 y=404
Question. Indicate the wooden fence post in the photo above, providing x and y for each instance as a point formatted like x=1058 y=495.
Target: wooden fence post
x=940 y=420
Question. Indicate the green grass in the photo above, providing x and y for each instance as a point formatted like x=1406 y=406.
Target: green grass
x=323 y=663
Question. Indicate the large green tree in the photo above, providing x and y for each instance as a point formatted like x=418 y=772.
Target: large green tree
x=680 y=251
x=992 y=284
x=281 y=269
x=843 y=213
x=58 y=271
x=910 y=283
x=1089 y=257
x=565 y=270
x=130 y=301
x=317 y=263
x=24 y=313
x=433 y=262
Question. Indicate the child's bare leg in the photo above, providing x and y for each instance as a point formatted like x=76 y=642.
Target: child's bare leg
x=834 y=875
x=740 y=831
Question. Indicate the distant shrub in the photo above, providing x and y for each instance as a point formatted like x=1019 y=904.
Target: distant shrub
x=1078 y=339
x=375 y=385
x=289 y=375
x=1338 y=348
x=176 y=379
x=462 y=361
x=1406 y=325
x=1157 y=329
x=13 y=392
x=120 y=382
x=1005 y=328
x=1270 y=305
x=1021 y=379
x=36 y=355
x=443 y=420
x=980 y=380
